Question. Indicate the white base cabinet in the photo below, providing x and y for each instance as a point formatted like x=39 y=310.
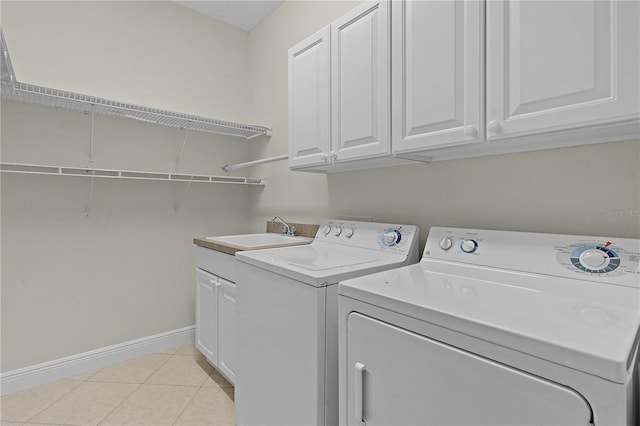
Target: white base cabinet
x=206 y=318
x=227 y=329
x=215 y=310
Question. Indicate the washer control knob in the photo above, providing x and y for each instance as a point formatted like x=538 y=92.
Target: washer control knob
x=469 y=246
x=446 y=243
x=594 y=258
x=390 y=237
x=348 y=232
x=337 y=230
x=327 y=229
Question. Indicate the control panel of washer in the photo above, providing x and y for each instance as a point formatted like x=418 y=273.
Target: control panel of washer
x=614 y=260
x=382 y=236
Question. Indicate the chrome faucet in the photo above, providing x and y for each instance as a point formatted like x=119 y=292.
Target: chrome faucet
x=286 y=229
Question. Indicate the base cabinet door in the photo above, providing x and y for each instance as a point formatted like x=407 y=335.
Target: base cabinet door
x=437 y=74
x=206 y=315
x=360 y=83
x=557 y=65
x=397 y=377
x=227 y=329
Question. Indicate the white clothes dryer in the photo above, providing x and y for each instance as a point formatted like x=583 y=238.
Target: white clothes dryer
x=495 y=328
x=287 y=318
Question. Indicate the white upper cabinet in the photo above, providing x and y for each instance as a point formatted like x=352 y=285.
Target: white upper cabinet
x=558 y=65
x=443 y=79
x=437 y=73
x=360 y=50
x=309 y=101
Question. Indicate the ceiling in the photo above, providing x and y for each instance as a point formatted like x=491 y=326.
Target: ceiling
x=243 y=14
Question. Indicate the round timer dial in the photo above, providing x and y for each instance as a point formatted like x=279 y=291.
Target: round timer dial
x=595 y=259
x=391 y=237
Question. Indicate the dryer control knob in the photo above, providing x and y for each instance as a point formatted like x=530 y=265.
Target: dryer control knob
x=337 y=230
x=594 y=258
x=348 y=232
x=446 y=243
x=327 y=229
x=469 y=246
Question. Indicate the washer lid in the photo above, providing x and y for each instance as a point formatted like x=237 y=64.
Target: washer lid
x=320 y=264
x=579 y=324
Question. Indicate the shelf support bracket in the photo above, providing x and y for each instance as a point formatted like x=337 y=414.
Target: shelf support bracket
x=177 y=206
x=184 y=142
x=87 y=210
x=91 y=138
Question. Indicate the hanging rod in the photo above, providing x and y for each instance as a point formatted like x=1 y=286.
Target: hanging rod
x=226 y=167
x=38 y=169
x=28 y=93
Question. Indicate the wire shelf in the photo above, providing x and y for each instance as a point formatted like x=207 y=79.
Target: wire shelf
x=40 y=169
x=21 y=92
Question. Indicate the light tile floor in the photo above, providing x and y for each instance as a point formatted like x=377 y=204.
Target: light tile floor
x=173 y=387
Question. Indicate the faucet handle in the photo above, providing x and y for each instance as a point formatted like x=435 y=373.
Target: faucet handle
x=293 y=231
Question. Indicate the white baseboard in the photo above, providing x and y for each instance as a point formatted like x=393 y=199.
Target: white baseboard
x=50 y=371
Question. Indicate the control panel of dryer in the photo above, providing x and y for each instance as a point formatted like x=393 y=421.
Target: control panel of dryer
x=381 y=236
x=598 y=257
x=612 y=260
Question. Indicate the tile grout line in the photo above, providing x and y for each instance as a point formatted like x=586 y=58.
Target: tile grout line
x=58 y=399
x=121 y=402
x=139 y=385
x=194 y=394
x=187 y=404
x=134 y=390
x=146 y=382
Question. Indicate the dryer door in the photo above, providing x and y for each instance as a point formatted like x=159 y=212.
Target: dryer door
x=401 y=378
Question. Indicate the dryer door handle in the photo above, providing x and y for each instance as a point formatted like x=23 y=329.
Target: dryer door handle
x=358 y=400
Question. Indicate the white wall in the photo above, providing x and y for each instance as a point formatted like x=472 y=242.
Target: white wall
x=71 y=284
x=560 y=191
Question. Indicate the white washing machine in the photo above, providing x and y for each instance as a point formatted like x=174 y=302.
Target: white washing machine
x=495 y=328
x=287 y=318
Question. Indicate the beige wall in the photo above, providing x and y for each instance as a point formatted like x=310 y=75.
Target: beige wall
x=71 y=284
x=571 y=190
x=152 y=53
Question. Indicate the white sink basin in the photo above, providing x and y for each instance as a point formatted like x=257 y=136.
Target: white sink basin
x=255 y=241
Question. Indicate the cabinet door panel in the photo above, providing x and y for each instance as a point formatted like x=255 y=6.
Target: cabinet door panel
x=437 y=73
x=227 y=329
x=206 y=315
x=309 y=105
x=561 y=64
x=398 y=377
x=360 y=82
